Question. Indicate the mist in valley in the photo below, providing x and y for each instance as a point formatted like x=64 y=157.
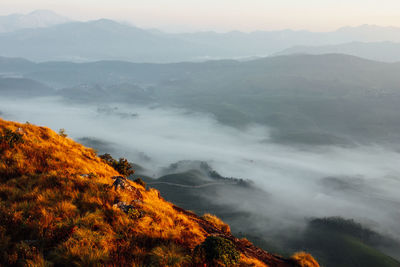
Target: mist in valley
x=303 y=182
x=291 y=136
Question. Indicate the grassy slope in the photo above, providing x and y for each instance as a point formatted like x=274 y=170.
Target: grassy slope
x=57 y=207
x=331 y=247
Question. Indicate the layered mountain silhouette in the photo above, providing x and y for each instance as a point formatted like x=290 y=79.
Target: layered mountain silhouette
x=47 y=37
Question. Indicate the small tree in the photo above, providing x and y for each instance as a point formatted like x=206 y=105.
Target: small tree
x=122 y=165
x=107 y=158
x=62 y=132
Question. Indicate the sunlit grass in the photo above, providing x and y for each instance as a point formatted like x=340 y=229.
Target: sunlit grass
x=57 y=206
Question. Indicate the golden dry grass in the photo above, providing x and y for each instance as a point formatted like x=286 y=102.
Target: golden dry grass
x=53 y=212
x=304 y=259
x=250 y=262
x=217 y=222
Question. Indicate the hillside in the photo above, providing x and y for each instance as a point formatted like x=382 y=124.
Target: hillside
x=335 y=241
x=20 y=87
x=58 y=207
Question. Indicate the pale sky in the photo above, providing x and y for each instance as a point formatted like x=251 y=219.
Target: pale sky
x=222 y=15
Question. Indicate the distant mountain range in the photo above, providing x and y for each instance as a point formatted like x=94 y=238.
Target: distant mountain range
x=35 y=19
x=45 y=36
x=380 y=51
x=282 y=92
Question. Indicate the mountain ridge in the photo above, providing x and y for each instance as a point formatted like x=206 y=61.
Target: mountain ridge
x=106 y=39
x=34 y=19
x=377 y=51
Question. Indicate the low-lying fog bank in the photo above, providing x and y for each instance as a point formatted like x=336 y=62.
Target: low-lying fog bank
x=359 y=182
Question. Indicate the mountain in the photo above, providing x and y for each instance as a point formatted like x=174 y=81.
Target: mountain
x=60 y=204
x=109 y=40
x=21 y=87
x=380 y=51
x=93 y=40
x=367 y=33
x=282 y=92
x=35 y=19
x=358 y=246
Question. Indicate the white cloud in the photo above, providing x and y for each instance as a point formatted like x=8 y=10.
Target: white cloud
x=293 y=177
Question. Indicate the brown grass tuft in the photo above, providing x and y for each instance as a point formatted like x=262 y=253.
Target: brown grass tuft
x=217 y=222
x=304 y=259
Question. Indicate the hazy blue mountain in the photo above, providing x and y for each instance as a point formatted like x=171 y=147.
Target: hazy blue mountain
x=94 y=40
x=380 y=51
x=35 y=19
x=21 y=87
x=305 y=99
x=108 y=40
x=367 y=33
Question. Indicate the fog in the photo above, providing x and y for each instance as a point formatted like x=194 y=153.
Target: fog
x=358 y=182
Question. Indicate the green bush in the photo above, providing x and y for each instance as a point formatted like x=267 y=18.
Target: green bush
x=122 y=165
x=217 y=251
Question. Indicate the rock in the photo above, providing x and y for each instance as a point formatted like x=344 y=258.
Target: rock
x=122 y=183
x=119 y=182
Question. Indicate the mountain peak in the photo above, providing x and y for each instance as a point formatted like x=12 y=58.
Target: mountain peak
x=43 y=12
x=34 y=19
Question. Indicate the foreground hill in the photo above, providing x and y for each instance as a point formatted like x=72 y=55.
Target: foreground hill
x=58 y=207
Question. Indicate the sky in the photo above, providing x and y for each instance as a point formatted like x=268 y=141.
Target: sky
x=222 y=15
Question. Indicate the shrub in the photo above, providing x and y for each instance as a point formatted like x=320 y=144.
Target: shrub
x=141 y=182
x=217 y=251
x=122 y=165
x=62 y=132
x=107 y=158
x=11 y=138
